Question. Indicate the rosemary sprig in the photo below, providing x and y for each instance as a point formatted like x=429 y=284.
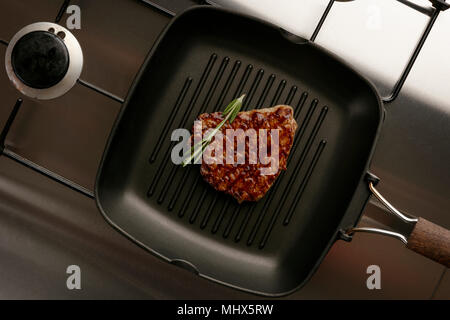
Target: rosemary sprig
x=230 y=113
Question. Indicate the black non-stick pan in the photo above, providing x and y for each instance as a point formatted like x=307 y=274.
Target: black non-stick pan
x=204 y=59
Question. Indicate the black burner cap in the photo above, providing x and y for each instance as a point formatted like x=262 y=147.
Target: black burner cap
x=40 y=59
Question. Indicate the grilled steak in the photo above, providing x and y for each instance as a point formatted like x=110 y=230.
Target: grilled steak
x=245 y=181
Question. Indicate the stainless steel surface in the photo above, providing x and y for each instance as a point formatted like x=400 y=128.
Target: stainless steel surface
x=388 y=30
x=14 y=15
x=376 y=36
x=44 y=226
x=443 y=290
x=299 y=17
x=413 y=151
x=115 y=37
x=73 y=72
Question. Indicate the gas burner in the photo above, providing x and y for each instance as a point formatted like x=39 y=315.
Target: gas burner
x=44 y=60
x=40 y=59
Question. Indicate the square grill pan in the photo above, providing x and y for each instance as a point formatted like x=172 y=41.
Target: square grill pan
x=204 y=59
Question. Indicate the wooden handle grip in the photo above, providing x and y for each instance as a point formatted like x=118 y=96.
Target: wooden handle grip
x=431 y=241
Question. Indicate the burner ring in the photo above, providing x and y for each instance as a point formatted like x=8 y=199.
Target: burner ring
x=64 y=48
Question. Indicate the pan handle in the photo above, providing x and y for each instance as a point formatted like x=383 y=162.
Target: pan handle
x=431 y=241
x=426 y=238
